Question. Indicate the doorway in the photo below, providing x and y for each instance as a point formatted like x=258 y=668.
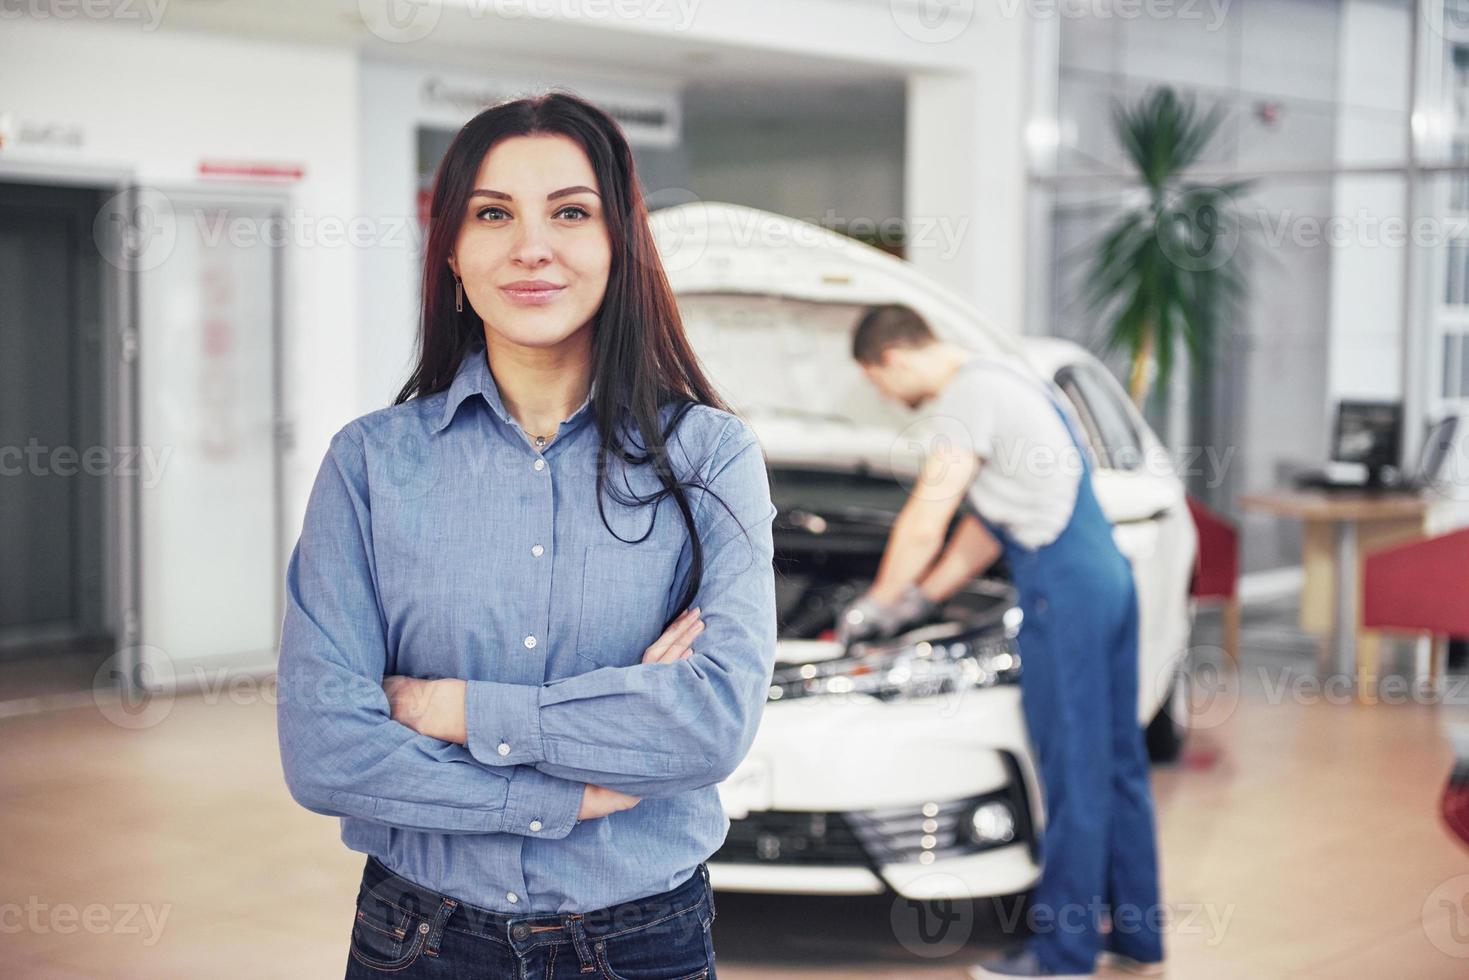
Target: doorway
x=58 y=588
x=140 y=436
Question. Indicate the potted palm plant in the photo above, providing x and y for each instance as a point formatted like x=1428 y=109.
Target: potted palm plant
x=1168 y=271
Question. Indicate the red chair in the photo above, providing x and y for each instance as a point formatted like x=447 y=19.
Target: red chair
x=1420 y=586
x=1216 y=569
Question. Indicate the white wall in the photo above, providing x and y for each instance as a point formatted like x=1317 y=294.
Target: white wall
x=158 y=102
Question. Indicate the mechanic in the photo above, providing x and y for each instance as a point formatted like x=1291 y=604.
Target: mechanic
x=1001 y=436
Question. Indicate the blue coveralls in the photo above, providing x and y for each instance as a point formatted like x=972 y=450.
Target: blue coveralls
x=1078 y=690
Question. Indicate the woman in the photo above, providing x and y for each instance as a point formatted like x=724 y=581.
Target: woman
x=530 y=620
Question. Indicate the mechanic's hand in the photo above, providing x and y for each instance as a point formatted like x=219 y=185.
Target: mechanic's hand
x=675 y=642
x=598 y=801
x=868 y=619
x=860 y=620
x=912 y=608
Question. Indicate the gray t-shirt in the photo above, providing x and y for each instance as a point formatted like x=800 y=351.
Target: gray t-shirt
x=998 y=407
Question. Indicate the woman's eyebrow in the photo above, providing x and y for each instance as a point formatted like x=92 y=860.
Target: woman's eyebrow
x=502 y=196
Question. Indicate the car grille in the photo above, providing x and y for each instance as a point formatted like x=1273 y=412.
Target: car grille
x=865 y=838
x=792 y=837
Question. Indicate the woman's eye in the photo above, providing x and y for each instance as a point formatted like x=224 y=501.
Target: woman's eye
x=579 y=211
x=482 y=212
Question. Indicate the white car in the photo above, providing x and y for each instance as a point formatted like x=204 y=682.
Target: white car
x=904 y=765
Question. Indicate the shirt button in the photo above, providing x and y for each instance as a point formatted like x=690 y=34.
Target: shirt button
x=535 y=825
x=540 y=464
x=503 y=748
x=511 y=897
x=537 y=550
x=530 y=642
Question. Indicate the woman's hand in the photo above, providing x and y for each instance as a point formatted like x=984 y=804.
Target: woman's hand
x=674 y=643
x=598 y=801
x=430 y=707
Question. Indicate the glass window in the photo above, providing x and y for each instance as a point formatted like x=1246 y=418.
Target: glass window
x=1104 y=416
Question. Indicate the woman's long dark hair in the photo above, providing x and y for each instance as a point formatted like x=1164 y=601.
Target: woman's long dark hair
x=641 y=359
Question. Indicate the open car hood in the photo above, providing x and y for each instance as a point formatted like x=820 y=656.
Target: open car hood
x=769 y=304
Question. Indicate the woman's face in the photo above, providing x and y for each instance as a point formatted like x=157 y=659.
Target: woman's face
x=534 y=249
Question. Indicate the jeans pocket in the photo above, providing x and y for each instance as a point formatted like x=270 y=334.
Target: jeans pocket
x=385 y=937
x=675 y=948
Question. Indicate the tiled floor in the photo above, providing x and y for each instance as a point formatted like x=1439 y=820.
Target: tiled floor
x=1300 y=838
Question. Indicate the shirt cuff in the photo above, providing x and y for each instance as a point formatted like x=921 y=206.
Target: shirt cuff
x=539 y=805
x=503 y=723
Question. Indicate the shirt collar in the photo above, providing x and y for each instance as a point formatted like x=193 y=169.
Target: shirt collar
x=474 y=377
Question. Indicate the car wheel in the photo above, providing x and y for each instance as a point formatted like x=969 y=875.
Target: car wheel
x=1167 y=731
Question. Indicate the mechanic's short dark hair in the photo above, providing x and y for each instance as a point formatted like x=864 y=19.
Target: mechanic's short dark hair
x=889 y=325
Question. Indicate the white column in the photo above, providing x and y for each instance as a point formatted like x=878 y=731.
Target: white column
x=965 y=185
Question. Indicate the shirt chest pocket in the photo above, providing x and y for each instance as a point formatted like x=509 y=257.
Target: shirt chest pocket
x=624 y=594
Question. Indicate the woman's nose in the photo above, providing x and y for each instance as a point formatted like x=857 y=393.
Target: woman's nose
x=531 y=247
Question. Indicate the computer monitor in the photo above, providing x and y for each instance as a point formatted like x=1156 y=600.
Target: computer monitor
x=1368 y=433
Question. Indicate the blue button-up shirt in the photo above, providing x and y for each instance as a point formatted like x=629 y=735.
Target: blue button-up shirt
x=440 y=541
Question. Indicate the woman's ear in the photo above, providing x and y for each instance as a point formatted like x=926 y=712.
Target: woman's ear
x=453 y=266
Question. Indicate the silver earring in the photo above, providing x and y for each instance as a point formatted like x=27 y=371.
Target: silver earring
x=458 y=294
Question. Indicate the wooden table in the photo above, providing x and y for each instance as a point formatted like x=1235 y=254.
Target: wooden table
x=1340 y=528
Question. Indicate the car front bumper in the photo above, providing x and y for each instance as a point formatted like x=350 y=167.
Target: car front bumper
x=852 y=795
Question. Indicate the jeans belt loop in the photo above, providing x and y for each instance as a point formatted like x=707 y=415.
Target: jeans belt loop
x=578 y=931
x=441 y=919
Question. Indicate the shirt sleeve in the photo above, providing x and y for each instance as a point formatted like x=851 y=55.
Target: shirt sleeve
x=963 y=416
x=662 y=729
x=342 y=752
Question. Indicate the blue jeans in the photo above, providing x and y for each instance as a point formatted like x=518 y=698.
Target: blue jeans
x=405 y=930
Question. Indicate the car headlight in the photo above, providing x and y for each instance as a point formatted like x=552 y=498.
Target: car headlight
x=908 y=667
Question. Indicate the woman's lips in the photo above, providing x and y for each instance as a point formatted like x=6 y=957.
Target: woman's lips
x=532 y=297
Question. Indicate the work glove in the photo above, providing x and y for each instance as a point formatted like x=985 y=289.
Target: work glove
x=868 y=619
